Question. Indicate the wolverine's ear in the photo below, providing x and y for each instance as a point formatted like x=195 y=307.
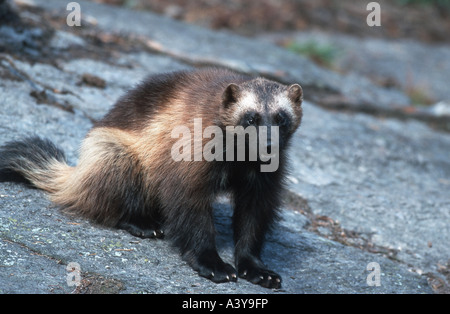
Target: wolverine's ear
x=231 y=94
x=295 y=93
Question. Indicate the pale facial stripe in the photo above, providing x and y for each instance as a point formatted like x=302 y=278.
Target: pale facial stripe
x=249 y=102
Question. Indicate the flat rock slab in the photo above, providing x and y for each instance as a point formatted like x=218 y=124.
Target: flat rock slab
x=413 y=66
x=384 y=180
x=38 y=243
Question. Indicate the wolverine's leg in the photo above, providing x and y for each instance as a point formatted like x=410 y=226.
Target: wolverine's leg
x=142 y=226
x=254 y=214
x=140 y=215
x=192 y=231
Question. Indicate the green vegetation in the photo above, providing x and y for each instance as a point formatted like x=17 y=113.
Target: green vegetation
x=323 y=54
x=419 y=97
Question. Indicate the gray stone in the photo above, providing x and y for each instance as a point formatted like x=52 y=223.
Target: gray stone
x=200 y=46
x=413 y=66
x=65 y=40
x=441 y=108
x=38 y=243
x=384 y=180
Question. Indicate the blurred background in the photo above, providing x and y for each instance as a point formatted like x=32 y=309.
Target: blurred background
x=425 y=20
x=407 y=52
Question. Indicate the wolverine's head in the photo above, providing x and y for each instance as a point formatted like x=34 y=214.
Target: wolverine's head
x=266 y=107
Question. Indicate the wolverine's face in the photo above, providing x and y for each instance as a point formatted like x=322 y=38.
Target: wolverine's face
x=271 y=109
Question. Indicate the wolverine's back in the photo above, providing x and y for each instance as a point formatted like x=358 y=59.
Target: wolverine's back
x=127 y=177
x=187 y=93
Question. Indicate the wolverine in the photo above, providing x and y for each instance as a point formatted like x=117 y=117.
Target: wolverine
x=126 y=177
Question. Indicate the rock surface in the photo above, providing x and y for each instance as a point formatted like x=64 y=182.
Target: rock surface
x=362 y=189
x=411 y=66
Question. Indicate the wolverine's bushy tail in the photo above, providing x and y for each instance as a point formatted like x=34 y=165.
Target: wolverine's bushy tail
x=34 y=160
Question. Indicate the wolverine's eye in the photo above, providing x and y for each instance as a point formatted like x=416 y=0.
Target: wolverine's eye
x=251 y=119
x=280 y=118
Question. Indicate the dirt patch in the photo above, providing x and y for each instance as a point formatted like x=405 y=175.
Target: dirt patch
x=428 y=21
x=97 y=284
x=332 y=229
x=439 y=282
x=92 y=80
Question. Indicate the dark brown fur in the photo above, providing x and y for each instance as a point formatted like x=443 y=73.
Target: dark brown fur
x=126 y=177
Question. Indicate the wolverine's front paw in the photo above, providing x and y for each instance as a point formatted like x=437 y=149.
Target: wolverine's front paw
x=210 y=265
x=137 y=231
x=218 y=272
x=257 y=273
